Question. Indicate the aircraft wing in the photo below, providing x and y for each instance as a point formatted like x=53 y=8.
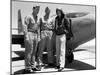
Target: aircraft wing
x=83 y=28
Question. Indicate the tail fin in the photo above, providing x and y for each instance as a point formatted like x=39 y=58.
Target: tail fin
x=20 y=30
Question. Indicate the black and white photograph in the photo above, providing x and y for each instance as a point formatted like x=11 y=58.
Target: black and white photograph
x=49 y=37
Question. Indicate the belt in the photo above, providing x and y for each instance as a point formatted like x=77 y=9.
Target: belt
x=47 y=29
x=33 y=31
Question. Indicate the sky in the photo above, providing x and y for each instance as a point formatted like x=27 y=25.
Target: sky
x=26 y=9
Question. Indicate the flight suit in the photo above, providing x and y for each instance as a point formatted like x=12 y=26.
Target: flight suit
x=46 y=40
x=31 y=32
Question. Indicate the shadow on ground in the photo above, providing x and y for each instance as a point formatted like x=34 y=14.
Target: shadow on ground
x=78 y=65
x=75 y=65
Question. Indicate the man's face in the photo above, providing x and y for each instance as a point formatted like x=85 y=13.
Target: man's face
x=36 y=10
x=47 y=10
x=59 y=13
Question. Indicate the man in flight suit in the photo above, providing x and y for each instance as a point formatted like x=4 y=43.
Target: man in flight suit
x=46 y=36
x=31 y=32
